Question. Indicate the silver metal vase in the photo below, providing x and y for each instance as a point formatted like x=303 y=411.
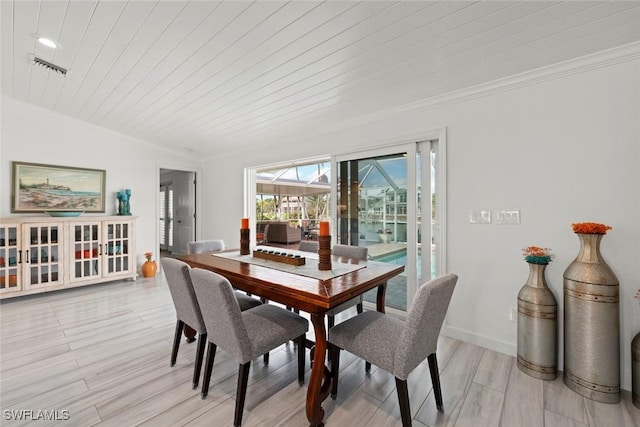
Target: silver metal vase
x=592 y=324
x=635 y=370
x=537 y=326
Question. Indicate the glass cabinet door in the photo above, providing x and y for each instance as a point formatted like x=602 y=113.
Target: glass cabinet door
x=10 y=259
x=85 y=251
x=117 y=240
x=41 y=255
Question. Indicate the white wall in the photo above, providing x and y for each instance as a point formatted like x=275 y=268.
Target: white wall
x=35 y=135
x=562 y=148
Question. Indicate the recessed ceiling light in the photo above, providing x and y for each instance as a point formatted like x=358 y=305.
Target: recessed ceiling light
x=47 y=42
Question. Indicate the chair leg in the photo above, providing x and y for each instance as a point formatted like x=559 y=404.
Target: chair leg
x=300 y=341
x=367 y=365
x=241 y=392
x=335 y=367
x=435 y=379
x=331 y=321
x=208 y=367
x=202 y=343
x=295 y=310
x=265 y=358
x=403 y=400
x=176 y=341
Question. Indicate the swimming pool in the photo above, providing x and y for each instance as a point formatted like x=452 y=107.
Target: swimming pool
x=400 y=258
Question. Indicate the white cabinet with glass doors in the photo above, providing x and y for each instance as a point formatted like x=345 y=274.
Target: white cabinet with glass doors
x=45 y=254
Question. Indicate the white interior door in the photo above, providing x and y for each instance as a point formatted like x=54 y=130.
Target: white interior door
x=184 y=211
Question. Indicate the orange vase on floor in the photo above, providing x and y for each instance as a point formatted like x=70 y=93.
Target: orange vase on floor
x=149 y=268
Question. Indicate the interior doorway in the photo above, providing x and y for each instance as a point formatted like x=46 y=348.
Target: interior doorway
x=177 y=210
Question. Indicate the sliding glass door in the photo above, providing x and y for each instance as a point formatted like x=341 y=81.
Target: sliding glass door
x=386 y=201
x=391 y=200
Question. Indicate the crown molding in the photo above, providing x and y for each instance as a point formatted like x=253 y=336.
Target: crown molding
x=602 y=59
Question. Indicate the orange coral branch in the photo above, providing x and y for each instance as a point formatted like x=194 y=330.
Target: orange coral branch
x=537 y=255
x=534 y=251
x=590 y=228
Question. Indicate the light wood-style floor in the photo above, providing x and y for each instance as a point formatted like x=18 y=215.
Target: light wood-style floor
x=102 y=354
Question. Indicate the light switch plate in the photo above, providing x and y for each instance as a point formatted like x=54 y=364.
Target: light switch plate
x=511 y=217
x=480 y=217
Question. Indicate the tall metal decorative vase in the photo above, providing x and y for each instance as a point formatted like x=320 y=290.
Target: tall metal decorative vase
x=592 y=324
x=537 y=326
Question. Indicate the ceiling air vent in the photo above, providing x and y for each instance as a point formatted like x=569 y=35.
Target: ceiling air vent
x=48 y=66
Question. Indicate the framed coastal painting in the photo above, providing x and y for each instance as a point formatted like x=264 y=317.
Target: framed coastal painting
x=51 y=188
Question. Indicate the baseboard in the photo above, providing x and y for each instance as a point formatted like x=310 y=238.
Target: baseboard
x=511 y=349
x=500 y=346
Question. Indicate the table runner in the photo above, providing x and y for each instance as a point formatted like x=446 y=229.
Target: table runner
x=310 y=269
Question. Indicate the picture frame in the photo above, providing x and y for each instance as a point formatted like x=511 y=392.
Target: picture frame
x=51 y=188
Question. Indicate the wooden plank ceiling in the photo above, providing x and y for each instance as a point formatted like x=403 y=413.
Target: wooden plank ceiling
x=203 y=76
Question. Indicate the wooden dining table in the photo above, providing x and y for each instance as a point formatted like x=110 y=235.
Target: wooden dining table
x=313 y=295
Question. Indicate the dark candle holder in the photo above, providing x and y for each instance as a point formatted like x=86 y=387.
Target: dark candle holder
x=244 y=241
x=324 y=252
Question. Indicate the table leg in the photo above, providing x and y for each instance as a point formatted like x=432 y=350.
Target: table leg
x=382 y=290
x=320 y=380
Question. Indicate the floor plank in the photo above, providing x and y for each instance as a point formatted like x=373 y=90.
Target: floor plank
x=634 y=411
x=607 y=415
x=102 y=353
x=455 y=379
x=551 y=419
x=560 y=399
x=494 y=370
x=482 y=407
x=523 y=403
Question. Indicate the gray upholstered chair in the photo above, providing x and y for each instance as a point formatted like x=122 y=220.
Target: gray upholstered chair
x=243 y=334
x=395 y=346
x=305 y=246
x=217 y=245
x=351 y=252
x=188 y=311
x=308 y=246
x=200 y=246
